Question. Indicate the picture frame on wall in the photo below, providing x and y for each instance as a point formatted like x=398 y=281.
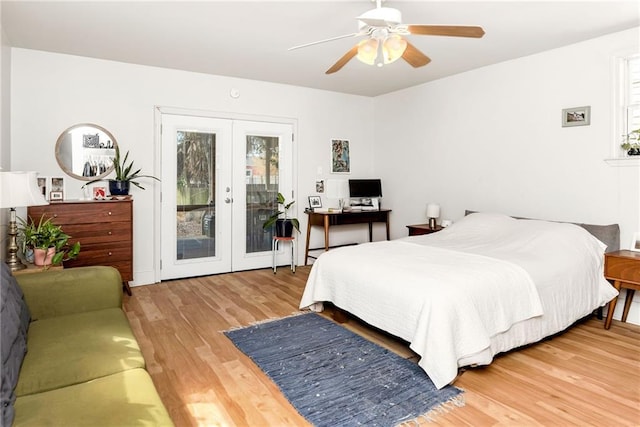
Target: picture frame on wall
x=635 y=243
x=340 y=156
x=576 y=116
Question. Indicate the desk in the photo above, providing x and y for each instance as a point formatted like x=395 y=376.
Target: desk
x=328 y=219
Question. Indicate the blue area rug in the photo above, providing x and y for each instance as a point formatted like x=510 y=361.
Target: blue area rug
x=334 y=377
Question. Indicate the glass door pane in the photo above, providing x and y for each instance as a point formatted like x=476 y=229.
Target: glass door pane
x=261 y=189
x=195 y=194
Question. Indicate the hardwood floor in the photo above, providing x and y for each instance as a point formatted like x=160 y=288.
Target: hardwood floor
x=585 y=376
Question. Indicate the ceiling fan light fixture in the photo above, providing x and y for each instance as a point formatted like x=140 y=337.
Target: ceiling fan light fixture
x=393 y=48
x=368 y=51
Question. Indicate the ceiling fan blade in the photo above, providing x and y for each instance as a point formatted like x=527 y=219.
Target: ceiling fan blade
x=343 y=61
x=446 y=30
x=414 y=57
x=327 y=40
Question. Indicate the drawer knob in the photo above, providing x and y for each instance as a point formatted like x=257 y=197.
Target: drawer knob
x=109 y=253
x=109 y=233
x=55 y=215
x=109 y=213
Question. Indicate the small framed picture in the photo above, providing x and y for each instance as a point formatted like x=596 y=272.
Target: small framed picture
x=43 y=186
x=635 y=243
x=577 y=116
x=315 y=202
x=99 y=193
x=57 y=184
x=56 y=196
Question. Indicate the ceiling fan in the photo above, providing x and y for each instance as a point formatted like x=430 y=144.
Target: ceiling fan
x=384 y=42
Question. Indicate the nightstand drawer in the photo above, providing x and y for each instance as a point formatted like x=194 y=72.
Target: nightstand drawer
x=625 y=268
x=420 y=229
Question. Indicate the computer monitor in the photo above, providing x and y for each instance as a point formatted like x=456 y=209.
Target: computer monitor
x=365 y=188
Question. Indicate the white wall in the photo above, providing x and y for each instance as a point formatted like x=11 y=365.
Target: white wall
x=491 y=140
x=52 y=92
x=5 y=125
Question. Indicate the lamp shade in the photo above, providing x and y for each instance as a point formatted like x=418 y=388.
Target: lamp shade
x=393 y=48
x=368 y=51
x=20 y=189
x=433 y=210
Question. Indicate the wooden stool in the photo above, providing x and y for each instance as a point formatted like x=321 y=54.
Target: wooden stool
x=274 y=250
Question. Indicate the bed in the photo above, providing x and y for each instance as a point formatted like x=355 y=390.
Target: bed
x=487 y=284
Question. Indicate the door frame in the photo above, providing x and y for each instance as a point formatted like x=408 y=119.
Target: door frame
x=157 y=119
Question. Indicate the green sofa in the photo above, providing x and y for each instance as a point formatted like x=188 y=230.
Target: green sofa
x=83 y=365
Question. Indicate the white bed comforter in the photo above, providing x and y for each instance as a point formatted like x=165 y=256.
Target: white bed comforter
x=456 y=295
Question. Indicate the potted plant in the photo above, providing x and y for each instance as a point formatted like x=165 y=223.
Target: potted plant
x=121 y=184
x=631 y=143
x=49 y=243
x=284 y=226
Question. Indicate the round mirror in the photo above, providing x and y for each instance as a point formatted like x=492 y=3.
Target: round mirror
x=86 y=151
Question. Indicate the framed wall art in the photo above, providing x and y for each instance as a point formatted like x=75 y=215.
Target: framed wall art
x=340 y=156
x=577 y=116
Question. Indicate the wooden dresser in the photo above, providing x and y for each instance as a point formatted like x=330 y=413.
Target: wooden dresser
x=104 y=229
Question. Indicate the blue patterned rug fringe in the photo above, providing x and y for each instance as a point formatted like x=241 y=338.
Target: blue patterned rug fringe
x=334 y=377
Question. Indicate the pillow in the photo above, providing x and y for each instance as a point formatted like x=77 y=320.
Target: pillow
x=14 y=322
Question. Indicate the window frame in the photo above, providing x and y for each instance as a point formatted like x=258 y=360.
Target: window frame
x=621 y=108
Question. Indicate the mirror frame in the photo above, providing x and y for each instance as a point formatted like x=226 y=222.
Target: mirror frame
x=68 y=170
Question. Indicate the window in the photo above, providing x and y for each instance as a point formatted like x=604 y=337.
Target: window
x=626 y=105
x=632 y=94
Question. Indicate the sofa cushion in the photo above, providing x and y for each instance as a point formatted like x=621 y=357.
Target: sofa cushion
x=127 y=398
x=71 y=349
x=14 y=323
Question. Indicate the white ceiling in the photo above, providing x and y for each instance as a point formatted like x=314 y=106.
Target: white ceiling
x=250 y=39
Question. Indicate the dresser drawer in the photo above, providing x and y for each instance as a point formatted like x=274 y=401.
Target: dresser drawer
x=103 y=253
x=99 y=233
x=124 y=267
x=82 y=213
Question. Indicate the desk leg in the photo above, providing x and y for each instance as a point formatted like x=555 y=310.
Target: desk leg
x=627 y=303
x=326 y=233
x=387 y=222
x=306 y=248
x=371 y=232
x=612 y=306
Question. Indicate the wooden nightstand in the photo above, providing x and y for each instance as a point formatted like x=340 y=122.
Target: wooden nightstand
x=419 y=229
x=623 y=267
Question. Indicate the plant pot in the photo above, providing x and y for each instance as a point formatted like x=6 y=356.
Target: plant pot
x=42 y=257
x=284 y=228
x=119 y=188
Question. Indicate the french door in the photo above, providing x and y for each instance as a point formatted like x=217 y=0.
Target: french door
x=220 y=180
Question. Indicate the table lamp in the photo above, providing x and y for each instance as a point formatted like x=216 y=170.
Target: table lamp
x=17 y=190
x=433 y=212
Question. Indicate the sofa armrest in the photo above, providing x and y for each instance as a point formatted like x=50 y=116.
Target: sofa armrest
x=72 y=290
